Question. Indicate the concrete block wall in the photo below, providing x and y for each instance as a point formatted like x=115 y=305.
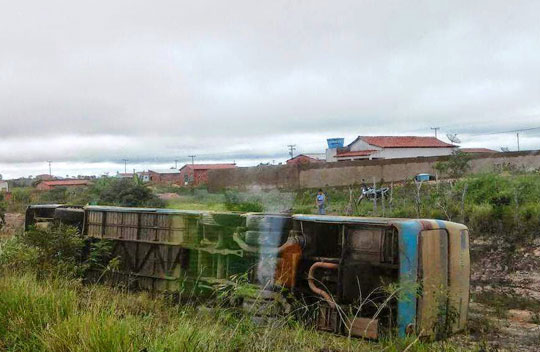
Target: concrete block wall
x=337 y=174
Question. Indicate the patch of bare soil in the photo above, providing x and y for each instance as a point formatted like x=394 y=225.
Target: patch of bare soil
x=505 y=305
x=14 y=223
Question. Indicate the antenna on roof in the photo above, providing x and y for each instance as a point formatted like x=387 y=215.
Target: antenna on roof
x=435 y=129
x=452 y=137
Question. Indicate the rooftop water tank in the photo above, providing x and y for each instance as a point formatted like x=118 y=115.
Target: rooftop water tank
x=335 y=142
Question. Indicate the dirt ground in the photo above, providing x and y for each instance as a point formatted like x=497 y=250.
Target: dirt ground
x=14 y=223
x=505 y=304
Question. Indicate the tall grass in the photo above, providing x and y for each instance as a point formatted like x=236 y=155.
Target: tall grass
x=65 y=315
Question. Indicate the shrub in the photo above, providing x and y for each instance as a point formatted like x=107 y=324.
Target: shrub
x=20 y=199
x=234 y=202
x=58 y=248
x=481 y=219
x=529 y=220
x=55 y=195
x=55 y=250
x=15 y=255
x=123 y=192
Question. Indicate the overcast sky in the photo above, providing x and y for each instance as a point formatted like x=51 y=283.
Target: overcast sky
x=89 y=83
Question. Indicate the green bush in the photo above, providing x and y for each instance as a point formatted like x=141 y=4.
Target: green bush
x=456 y=166
x=234 y=202
x=21 y=197
x=481 y=219
x=58 y=249
x=57 y=195
x=123 y=192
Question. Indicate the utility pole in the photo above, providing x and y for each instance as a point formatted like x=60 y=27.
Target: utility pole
x=517 y=136
x=175 y=164
x=292 y=148
x=192 y=158
x=50 y=162
x=435 y=129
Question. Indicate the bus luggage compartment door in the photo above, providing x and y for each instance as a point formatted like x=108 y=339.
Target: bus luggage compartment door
x=433 y=280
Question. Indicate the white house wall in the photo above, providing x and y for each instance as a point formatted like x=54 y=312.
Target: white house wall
x=388 y=153
x=361 y=145
x=394 y=153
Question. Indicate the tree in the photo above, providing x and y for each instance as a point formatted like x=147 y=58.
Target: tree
x=456 y=166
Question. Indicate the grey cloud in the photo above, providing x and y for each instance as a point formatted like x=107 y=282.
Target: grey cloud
x=209 y=75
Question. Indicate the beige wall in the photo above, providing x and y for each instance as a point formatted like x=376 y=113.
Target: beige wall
x=351 y=172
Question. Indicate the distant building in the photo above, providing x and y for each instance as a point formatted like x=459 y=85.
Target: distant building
x=196 y=174
x=48 y=185
x=167 y=176
x=477 y=150
x=4 y=186
x=389 y=147
x=124 y=175
x=307 y=159
x=144 y=176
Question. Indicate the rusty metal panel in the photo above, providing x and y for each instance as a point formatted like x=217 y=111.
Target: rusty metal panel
x=433 y=274
x=365 y=243
x=459 y=276
x=364 y=327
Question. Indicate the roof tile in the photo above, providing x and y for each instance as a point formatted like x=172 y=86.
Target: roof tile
x=405 y=142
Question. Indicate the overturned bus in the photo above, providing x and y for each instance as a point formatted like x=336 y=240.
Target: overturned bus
x=361 y=277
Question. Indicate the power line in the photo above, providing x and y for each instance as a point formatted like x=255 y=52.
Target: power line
x=517 y=131
x=192 y=158
x=513 y=131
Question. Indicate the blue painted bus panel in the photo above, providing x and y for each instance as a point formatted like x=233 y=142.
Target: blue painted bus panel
x=408 y=273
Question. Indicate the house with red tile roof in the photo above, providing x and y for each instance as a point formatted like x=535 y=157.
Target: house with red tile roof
x=48 y=185
x=166 y=176
x=390 y=147
x=197 y=174
x=302 y=159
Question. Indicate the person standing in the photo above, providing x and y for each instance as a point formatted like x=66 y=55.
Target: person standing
x=321 y=202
